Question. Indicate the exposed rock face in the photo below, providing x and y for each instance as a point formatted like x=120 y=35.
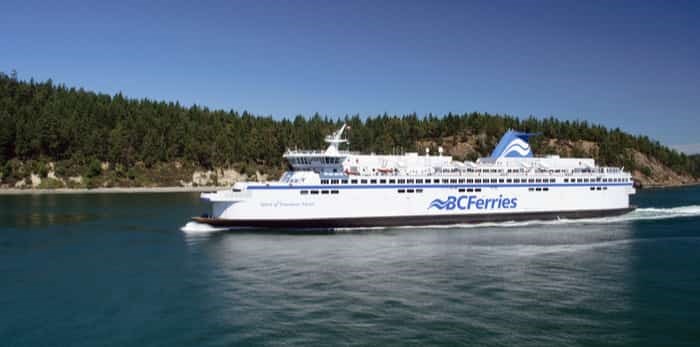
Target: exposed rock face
x=661 y=175
x=36 y=180
x=227 y=177
x=218 y=177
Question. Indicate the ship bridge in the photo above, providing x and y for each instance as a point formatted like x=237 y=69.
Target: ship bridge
x=329 y=161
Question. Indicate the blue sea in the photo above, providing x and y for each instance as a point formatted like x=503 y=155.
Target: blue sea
x=117 y=270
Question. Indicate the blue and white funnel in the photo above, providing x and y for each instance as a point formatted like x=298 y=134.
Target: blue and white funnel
x=513 y=144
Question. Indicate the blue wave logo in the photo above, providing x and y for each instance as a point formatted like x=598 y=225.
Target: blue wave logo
x=468 y=202
x=447 y=204
x=517 y=148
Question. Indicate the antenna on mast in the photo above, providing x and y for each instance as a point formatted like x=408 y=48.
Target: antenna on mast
x=334 y=140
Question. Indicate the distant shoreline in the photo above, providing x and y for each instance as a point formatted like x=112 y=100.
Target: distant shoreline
x=137 y=190
x=116 y=190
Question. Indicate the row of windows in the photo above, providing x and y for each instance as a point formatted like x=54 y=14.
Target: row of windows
x=469 y=190
x=309 y=160
x=468 y=180
x=419 y=190
x=586 y=180
x=316 y=192
x=438 y=181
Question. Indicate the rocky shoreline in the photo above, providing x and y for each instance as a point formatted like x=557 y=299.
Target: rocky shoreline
x=111 y=190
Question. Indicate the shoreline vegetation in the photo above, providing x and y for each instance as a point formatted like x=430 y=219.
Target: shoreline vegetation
x=56 y=137
x=111 y=190
x=181 y=189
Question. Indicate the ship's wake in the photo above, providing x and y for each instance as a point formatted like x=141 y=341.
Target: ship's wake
x=199 y=228
x=640 y=214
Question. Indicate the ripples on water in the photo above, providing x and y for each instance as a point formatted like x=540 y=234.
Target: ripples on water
x=116 y=270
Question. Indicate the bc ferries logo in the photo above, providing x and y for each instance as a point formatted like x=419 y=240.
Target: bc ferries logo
x=513 y=144
x=469 y=202
x=517 y=148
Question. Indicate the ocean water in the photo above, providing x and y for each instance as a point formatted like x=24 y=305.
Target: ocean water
x=117 y=270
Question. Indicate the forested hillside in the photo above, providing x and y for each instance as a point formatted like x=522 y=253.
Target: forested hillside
x=60 y=132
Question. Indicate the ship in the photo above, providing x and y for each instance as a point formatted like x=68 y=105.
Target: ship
x=336 y=188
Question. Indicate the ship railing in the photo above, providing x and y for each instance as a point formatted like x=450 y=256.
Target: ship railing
x=296 y=152
x=591 y=173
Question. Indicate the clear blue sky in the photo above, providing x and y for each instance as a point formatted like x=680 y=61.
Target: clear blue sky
x=628 y=64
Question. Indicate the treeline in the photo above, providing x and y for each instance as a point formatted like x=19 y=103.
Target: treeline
x=41 y=121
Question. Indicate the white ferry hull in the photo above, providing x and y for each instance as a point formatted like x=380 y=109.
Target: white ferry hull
x=410 y=220
x=369 y=206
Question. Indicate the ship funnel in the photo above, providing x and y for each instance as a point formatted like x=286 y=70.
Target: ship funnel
x=513 y=144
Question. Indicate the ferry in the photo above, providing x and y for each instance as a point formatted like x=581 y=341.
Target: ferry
x=341 y=189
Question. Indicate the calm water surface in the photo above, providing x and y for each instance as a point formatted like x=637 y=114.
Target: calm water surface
x=115 y=270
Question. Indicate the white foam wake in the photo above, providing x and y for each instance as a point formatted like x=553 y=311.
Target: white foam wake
x=197 y=228
x=636 y=215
